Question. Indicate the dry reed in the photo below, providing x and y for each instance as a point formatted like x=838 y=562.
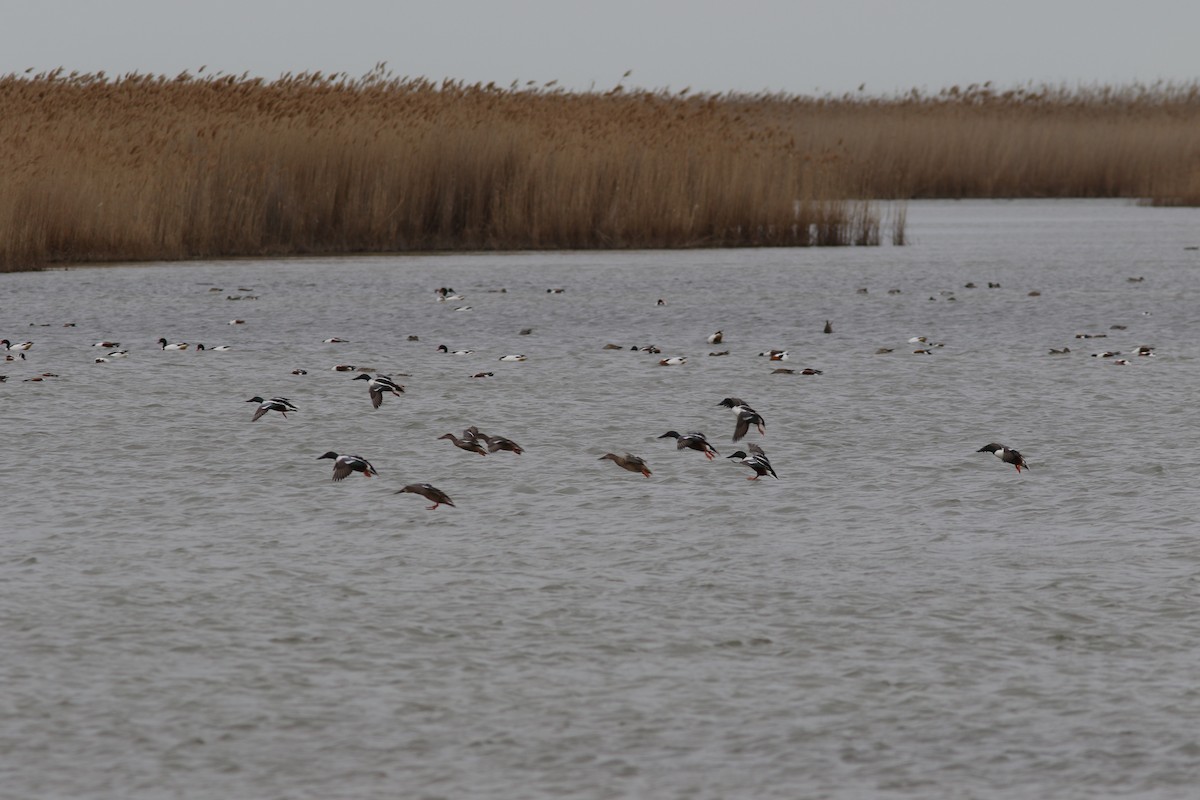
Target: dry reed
x=149 y=167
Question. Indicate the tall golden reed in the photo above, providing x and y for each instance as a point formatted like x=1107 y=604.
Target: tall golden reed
x=148 y=167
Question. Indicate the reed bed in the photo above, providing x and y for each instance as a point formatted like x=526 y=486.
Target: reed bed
x=144 y=167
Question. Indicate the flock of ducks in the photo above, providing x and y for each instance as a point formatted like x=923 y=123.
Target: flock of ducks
x=473 y=440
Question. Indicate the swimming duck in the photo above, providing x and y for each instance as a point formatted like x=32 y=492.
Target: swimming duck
x=483 y=375
x=17 y=357
x=1005 y=454
x=756 y=460
x=443 y=349
x=1055 y=352
x=335 y=340
x=1107 y=354
x=716 y=338
x=299 y=372
x=241 y=321
x=1144 y=350
x=719 y=353
x=175 y=346
x=280 y=404
x=344 y=465
x=117 y=354
x=628 y=461
x=377 y=386
x=429 y=492
x=221 y=348
x=693 y=440
x=468 y=443
x=107 y=344
x=828 y=327
x=513 y=358
x=673 y=361
x=776 y=355
x=10 y=346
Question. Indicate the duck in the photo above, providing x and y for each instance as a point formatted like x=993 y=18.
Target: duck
x=1107 y=354
x=495 y=443
x=17 y=357
x=1144 y=350
x=515 y=357
x=117 y=354
x=429 y=492
x=776 y=355
x=19 y=346
x=1005 y=454
x=735 y=404
x=716 y=338
x=377 y=386
x=172 y=346
x=744 y=420
x=483 y=375
x=344 y=465
x=107 y=344
x=628 y=461
x=828 y=327
x=240 y=321
x=1056 y=352
x=694 y=441
x=717 y=353
x=673 y=361
x=280 y=404
x=299 y=371
x=443 y=349
x=344 y=368
x=335 y=340
x=221 y=348
x=1122 y=362
x=756 y=460
x=468 y=443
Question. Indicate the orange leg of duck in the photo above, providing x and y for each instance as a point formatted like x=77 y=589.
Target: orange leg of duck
x=752 y=478
x=432 y=507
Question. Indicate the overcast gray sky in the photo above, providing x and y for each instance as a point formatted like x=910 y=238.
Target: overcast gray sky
x=799 y=47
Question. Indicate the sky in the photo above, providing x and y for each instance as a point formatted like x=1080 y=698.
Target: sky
x=798 y=47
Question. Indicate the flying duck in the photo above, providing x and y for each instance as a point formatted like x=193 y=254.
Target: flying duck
x=280 y=404
x=1005 y=454
x=494 y=443
x=693 y=440
x=468 y=443
x=628 y=461
x=176 y=346
x=757 y=461
x=344 y=465
x=429 y=492
x=378 y=385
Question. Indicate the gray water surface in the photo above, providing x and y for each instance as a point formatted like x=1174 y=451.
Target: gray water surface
x=191 y=608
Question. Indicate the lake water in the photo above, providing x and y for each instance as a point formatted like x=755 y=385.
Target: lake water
x=191 y=608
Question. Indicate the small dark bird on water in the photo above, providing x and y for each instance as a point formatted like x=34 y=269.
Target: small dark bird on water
x=828 y=327
x=1005 y=454
x=628 y=461
x=429 y=492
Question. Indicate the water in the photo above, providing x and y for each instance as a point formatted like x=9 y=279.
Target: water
x=191 y=608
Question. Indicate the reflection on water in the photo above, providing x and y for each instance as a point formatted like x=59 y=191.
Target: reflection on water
x=194 y=608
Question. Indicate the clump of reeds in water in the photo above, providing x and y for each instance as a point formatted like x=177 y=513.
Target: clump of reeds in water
x=147 y=167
